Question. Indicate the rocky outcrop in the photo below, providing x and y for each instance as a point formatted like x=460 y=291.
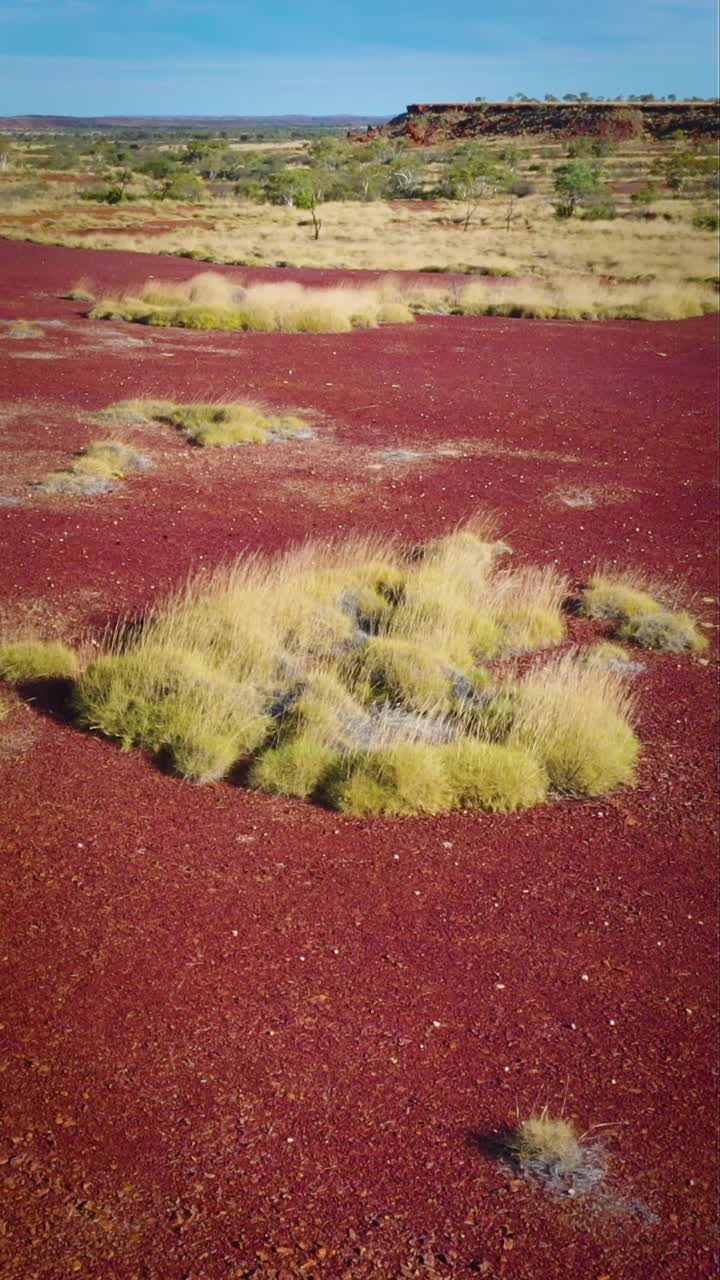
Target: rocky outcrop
x=431 y=123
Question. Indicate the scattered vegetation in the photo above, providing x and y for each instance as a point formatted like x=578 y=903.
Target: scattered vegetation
x=37 y=660
x=212 y=301
x=95 y=469
x=220 y=423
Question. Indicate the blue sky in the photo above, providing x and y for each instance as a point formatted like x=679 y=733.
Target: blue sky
x=213 y=57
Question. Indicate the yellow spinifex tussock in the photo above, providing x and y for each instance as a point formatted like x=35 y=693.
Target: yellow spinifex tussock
x=367 y=677
x=214 y=301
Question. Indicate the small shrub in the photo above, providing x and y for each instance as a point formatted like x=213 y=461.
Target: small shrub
x=706 y=220
x=37 y=660
x=667 y=632
x=599 y=211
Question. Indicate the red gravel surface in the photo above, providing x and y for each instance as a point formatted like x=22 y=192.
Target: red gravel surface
x=243 y=1037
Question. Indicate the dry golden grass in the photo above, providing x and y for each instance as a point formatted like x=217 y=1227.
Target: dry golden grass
x=213 y=301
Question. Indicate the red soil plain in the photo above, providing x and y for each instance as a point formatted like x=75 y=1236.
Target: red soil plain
x=245 y=1037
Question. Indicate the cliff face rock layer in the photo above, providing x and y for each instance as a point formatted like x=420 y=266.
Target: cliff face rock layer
x=429 y=123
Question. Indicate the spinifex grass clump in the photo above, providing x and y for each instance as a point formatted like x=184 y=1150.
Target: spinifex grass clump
x=642 y=614
x=370 y=679
x=220 y=423
x=37 y=660
x=213 y=301
x=548 y=1148
x=95 y=469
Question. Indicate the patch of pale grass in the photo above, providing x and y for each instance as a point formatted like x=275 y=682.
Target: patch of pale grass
x=667 y=632
x=549 y=1141
x=95 y=469
x=215 y=423
x=212 y=301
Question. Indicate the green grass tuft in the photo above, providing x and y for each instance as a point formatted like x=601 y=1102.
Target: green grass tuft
x=667 y=632
x=484 y=775
x=297 y=767
x=215 y=424
x=617 y=598
x=408 y=778
x=37 y=660
x=95 y=468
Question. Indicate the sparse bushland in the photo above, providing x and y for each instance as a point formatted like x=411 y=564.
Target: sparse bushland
x=95 y=469
x=643 y=614
x=212 y=301
x=37 y=660
x=357 y=675
x=218 y=423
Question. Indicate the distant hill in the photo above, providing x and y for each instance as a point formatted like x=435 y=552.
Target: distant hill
x=431 y=123
x=51 y=124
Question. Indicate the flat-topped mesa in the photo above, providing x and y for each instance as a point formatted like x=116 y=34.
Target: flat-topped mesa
x=427 y=123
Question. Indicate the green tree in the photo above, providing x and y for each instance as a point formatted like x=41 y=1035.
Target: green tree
x=575 y=181
x=471 y=180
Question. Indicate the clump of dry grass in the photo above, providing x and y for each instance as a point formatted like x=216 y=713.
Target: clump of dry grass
x=576 y=719
x=95 y=469
x=218 y=423
x=587 y=299
x=356 y=674
x=24 y=329
x=548 y=1149
x=213 y=301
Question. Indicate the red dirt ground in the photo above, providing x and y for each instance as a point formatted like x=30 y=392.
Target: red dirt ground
x=243 y=1037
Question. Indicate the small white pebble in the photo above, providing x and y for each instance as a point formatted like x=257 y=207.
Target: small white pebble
x=584 y=977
